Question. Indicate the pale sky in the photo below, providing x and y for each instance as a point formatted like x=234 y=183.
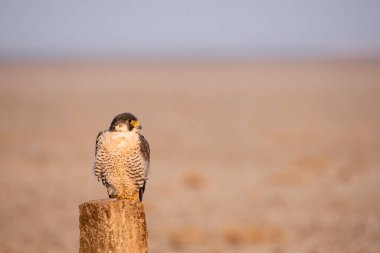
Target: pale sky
x=197 y=28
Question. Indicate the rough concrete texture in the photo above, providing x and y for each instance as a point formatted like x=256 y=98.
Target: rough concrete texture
x=112 y=226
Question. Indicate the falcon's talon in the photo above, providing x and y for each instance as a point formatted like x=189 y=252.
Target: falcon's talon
x=133 y=198
x=122 y=196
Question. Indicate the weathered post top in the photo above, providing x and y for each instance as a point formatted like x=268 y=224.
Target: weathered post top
x=112 y=226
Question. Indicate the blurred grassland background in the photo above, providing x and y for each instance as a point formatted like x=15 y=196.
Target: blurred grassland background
x=262 y=117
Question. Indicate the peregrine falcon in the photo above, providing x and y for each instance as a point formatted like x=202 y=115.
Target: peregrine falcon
x=122 y=158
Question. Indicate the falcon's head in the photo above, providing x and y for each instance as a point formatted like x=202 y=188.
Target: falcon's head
x=125 y=122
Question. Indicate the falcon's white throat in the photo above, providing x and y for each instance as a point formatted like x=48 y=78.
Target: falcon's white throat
x=121 y=141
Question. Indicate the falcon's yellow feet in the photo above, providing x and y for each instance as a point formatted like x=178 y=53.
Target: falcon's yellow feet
x=122 y=196
x=133 y=198
x=126 y=196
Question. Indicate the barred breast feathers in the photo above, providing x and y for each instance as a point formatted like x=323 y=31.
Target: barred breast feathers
x=133 y=147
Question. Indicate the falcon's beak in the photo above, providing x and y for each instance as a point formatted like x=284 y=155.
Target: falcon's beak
x=136 y=124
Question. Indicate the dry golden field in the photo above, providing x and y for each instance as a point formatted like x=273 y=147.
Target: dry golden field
x=246 y=157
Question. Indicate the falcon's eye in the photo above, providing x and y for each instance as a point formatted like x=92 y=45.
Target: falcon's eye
x=129 y=121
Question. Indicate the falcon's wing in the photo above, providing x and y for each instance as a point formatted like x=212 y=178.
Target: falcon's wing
x=100 y=158
x=145 y=153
